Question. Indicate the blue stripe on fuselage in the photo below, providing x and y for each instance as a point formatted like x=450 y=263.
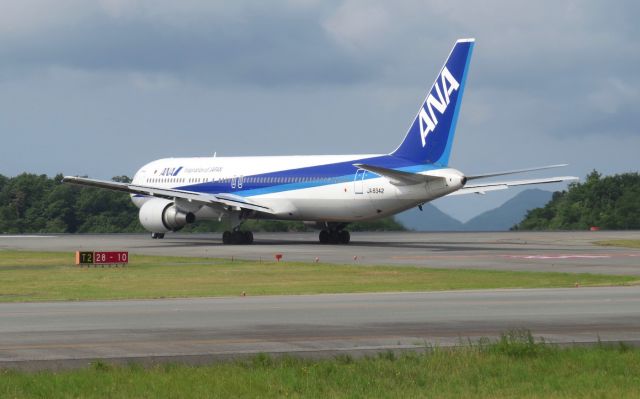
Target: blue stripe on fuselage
x=323 y=175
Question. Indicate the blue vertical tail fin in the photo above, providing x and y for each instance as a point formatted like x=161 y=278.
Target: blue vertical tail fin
x=430 y=136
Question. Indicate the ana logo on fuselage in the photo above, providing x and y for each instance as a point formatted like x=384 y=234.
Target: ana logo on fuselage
x=427 y=117
x=170 y=171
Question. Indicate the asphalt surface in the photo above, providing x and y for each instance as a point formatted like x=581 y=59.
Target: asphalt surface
x=548 y=251
x=212 y=328
x=57 y=335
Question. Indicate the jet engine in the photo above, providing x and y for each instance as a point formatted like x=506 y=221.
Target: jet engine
x=160 y=215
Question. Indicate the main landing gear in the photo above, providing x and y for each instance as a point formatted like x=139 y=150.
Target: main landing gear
x=333 y=236
x=237 y=237
x=157 y=236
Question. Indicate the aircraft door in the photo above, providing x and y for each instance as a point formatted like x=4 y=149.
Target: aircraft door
x=358 y=181
x=237 y=181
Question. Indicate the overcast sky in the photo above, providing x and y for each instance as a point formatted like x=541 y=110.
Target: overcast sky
x=99 y=88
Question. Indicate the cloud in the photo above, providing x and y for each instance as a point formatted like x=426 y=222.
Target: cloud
x=537 y=46
x=547 y=75
x=245 y=43
x=359 y=26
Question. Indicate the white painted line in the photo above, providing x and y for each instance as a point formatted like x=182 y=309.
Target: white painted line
x=559 y=256
x=3 y=236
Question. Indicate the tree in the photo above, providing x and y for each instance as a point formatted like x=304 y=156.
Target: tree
x=611 y=202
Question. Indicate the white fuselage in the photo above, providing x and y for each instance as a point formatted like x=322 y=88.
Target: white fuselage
x=309 y=188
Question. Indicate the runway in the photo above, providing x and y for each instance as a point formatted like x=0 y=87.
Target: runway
x=572 y=252
x=69 y=334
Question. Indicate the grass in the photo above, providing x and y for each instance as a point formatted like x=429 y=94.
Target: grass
x=515 y=367
x=619 y=243
x=39 y=276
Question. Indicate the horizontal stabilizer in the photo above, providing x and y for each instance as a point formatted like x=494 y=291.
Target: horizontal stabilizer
x=511 y=172
x=483 y=188
x=397 y=177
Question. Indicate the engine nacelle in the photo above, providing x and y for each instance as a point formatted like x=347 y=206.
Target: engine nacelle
x=160 y=215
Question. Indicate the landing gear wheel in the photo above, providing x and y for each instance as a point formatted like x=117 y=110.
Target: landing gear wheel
x=226 y=238
x=324 y=237
x=334 y=237
x=344 y=237
x=157 y=236
x=237 y=237
x=248 y=237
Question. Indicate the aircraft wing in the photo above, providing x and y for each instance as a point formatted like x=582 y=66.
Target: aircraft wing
x=483 y=188
x=398 y=177
x=172 y=194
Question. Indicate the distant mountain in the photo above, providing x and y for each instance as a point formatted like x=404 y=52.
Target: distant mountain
x=501 y=218
x=510 y=213
x=430 y=219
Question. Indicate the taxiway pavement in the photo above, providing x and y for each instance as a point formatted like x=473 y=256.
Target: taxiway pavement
x=68 y=334
x=572 y=252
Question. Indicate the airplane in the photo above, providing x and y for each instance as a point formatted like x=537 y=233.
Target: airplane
x=326 y=191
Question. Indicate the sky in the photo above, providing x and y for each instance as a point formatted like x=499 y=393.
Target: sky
x=99 y=88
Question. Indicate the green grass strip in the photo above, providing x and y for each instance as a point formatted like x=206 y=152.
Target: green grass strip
x=514 y=369
x=39 y=276
x=619 y=243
